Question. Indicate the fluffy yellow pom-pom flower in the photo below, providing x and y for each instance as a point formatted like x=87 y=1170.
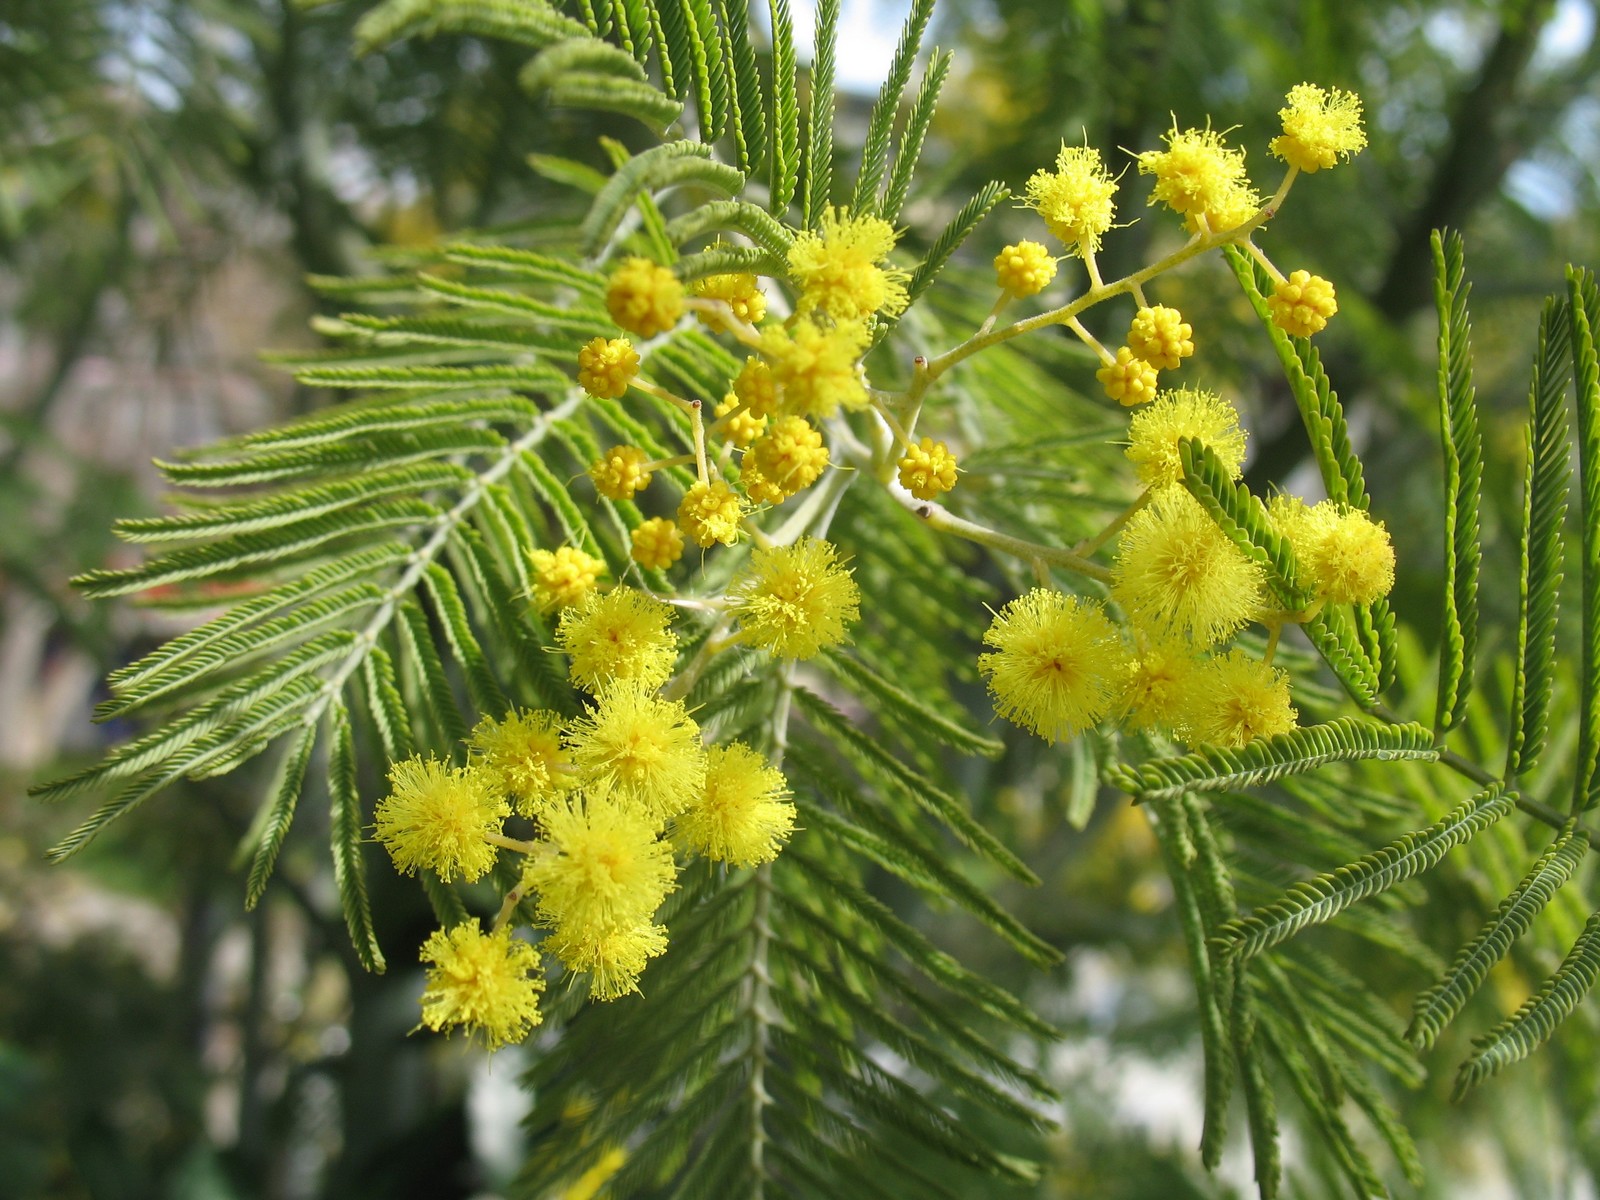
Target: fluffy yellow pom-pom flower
x=657 y=543
x=1342 y=553
x=795 y=601
x=614 y=960
x=756 y=389
x=710 y=512
x=643 y=298
x=522 y=757
x=740 y=292
x=621 y=635
x=1075 y=199
x=646 y=748
x=928 y=469
x=1177 y=573
x=1234 y=699
x=1056 y=665
x=837 y=267
x=562 y=577
x=1318 y=127
x=742 y=817
x=1024 y=269
x=740 y=429
x=619 y=473
x=438 y=818
x=1302 y=304
x=815 y=367
x=1154 y=433
x=1161 y=337
x=487 y=983
x=790 y=455
x=606 y=366
x=1197 y=174
x=600 y=867
x=1129 y=380
x=1156 y=683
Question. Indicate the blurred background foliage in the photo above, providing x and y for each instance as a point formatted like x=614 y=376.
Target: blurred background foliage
x=172 y=170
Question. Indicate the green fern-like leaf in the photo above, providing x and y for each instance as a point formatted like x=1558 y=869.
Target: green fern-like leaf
x=1438 y=1006
x=1463 y=460
x=530 y=22
x=949 y=241
x=1317 y=900
x=1520 y=1034
x=784 y=162
x=1547 y=482
x=880 y=124
x=1243 y=518
x=671 y=164
x=1583 y=307
x=1217 y=770
x=817 y=155
x=908 y=152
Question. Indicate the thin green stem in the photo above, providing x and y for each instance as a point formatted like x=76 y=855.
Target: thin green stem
x=943 y=520
x=1196 y=245
x=1087 y=548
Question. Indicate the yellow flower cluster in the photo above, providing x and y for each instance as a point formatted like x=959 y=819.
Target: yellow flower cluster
x=1024 y=269
x=1076 y=199
x=840 y=268
x=928 y=469
x=606 y=367
x=1301 y=304
x=613 y=792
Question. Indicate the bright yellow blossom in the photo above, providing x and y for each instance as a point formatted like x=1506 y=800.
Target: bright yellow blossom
x=838 y=270
x=740 y=292
x=742 y=818
x=1129 y=380
x=1161 y=337
x=1155 y=430
x=620 y=635
x=1024 y=269
x=757 y=487
x=645 y=748
x=1342 y=553
x=1178 y=574
x=606 y=367
x=619 y=473
x=1075 y=199
x=815 y=367
x=487 y=983
x=1318 y=127
x=790 y=455
x=710 y=512
x=521 y=756
x=562 y=577
x=795 y=601
x=643 y=298
x=1057 y=663
x=657 y=543
x=756 y=389
x=1197 y=174
x=600 y=867
x=1301 y=304
x=1234 y=699
x=1157 y=681
x=439 y=818
x=928 y=469
x=742 y=429
x=613 y=960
